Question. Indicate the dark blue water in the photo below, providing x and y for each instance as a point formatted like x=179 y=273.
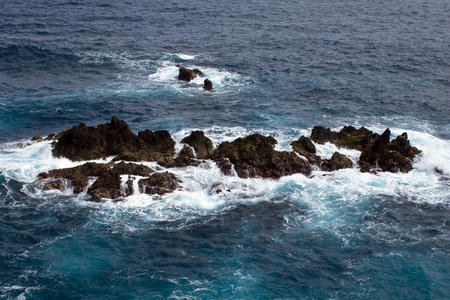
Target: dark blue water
x=279 y=68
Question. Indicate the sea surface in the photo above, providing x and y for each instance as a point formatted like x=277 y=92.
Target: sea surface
x=278 y=68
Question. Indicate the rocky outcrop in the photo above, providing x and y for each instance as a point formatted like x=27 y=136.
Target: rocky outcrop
x=185 y=158
x=114 y=138
x=251 y=156
x=202 y=145
x=159 y=183
x=306 y=148
x=392 y=156
x=78 y=176
x=57 y=184
x=188 y=74
x=377 y=151
x=254 y=156
x=207 y=85
x=107 y=183
x=348 y=137
x=152 y=146
x=340 y=161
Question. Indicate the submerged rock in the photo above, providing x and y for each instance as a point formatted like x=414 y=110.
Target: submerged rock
x=188 y=74
x=219 y=188
x=254 y=156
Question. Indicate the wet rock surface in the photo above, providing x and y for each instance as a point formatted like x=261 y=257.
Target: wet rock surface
x=251 y=156
x=159 y=183
x=115 y=138
x=207 y=85
x=187 y=75
x=108 y=178
x=340 y=161
x=254 y=156
x=202 y=145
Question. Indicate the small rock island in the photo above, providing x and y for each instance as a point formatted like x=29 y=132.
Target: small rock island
x=247 y=157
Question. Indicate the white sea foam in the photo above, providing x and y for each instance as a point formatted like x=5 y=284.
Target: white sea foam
x=186 y=56
x=24 y=163
x=321 y=193
x=167 y=72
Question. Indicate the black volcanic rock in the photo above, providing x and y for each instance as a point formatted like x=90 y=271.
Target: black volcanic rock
x=207 y=85
x=78 y=176
x=348 y=137
x=401 y=145
x=115 y=138
x=202 y=145
x=185 y=158
x=321 y=135
x=340 y=161
x=107 y=184
x=251 y=156
x=188 y=74
x=254 y=156
x=391 y=156
x=377 y=151
x=305 y=147
x=85 y=143
x=159 y=183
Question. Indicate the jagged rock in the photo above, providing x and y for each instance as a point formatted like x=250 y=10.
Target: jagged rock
x=202 y=145
x=160 y=141
x=54 y=185
x=85 y=143
x=255 y=156
x=132 y=169
x=348 y=137
x=188 y=74
x=36 y=138
x=207 y=85
x=391 y=156
x=152 y=146
x=401 y=145
x=340 y=161
x=377 y=152
x=373 y=152
x=306 y=148
x=79 y=176
x=115 y=138
x=321 y=135
x=50 y=137
x=159 y=183
x=303 y=146
x=186 y=158
x=225 y=166
x=107 y=184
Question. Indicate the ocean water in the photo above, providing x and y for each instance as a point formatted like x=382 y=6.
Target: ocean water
x=278 y=68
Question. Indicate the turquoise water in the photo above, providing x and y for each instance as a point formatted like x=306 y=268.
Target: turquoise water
x=278 y=69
